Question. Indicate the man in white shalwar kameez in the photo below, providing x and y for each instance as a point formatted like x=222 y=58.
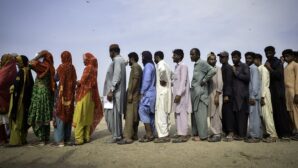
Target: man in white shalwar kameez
x=266 y=106
x=163 y=106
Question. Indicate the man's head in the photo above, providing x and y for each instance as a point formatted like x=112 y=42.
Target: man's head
x=296 y=56
x=249 y=58
x=114 y=50
x=133 y=58
x=258 y=59
x=195 y=54
x=269 y=52
x=223 y=57
x=288 y=55
x=158 y=56
x=178 y=55
x=211 y=59
x=236 y=57
x=146 y=57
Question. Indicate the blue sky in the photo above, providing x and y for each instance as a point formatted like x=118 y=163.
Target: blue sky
x=28 y=26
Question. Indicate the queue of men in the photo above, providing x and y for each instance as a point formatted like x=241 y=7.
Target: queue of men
x=247 y=101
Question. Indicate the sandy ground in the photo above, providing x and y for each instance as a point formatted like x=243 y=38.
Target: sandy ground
x=98 y=153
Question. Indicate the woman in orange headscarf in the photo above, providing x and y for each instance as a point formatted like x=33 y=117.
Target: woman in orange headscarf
x=88 y=111
x=42 y=101
x=63 y=113
x=8 y=73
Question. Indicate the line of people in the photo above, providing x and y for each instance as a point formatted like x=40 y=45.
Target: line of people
x=247 y=101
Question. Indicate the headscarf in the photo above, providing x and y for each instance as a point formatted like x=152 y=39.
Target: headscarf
x=147 y=57
x=45 y=67
x=8 y=73
x=67 y=84
x=88 y=83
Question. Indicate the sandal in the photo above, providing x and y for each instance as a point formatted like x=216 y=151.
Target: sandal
x=228 y=138
x=124 y=142
x=181 y=139
x=146 y=139
x=162 y=140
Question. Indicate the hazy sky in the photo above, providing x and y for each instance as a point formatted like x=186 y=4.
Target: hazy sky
x=28 y=26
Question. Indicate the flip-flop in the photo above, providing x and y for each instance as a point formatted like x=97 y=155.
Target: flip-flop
x=124 y=142
x=146 y=139
x=162 y=140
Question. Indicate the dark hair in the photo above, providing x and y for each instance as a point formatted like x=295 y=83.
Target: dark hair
x=287 y=51
x=179 y=52
x=269 y=48
x=134 y=56
x=197 y=51
x=258 y=56
x=159 y=54
x=115 y=49
x=296 y=54
x=236 y=52
x=250 y=53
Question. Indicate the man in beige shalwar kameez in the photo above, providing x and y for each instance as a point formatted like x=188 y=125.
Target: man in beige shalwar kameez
x=215 y=101
x=291 y=85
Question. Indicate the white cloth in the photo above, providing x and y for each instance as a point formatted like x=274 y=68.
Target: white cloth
x=163 y=105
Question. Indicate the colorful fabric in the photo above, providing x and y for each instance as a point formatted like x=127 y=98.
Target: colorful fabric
x=8 y=73
x=67 y=84
x=42 y=68
x=88 y=85
x=42 y=102
x=20 y=102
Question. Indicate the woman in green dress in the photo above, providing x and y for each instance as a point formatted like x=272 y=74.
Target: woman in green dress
x=21 y=92
x=42 y=101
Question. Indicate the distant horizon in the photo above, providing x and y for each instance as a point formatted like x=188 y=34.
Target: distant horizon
x=81 y=26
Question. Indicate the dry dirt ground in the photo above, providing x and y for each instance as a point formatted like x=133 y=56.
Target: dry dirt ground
x=99 y=153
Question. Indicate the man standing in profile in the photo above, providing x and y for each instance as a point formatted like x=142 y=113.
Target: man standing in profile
x=228 y=116
x=148 y=96
x=266 y=109
x=114 y=89
x=202 y=73
x=133 y=97
x=254 y=130
x=241 y=95
x=163 y=106
x=291 y=86
x=215 y=103
x=277 y=88
x=181 y=94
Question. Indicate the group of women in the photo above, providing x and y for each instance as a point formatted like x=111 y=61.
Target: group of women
x=26 y=103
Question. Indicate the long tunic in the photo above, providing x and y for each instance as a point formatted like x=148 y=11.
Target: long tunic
x=215 y=112
x=240 y=98
x=131 y=114
x=291 y=86
x=203 y=72
x=148 y=90
x=119 y=84
x=266 y=110
x=282 y=119
x=181 y=88
x=21 y=98
x=163 y=105
x=116 y=81
x=254 y=129
x=228 y=116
